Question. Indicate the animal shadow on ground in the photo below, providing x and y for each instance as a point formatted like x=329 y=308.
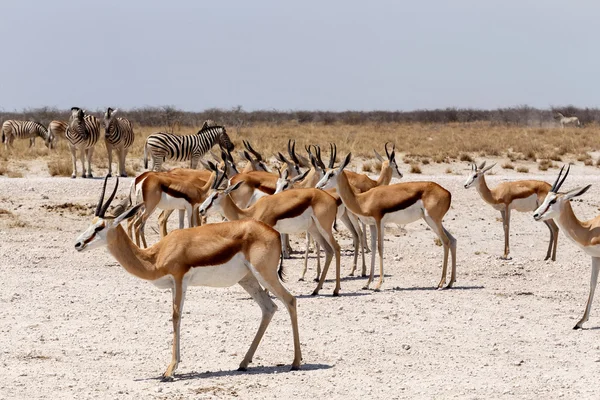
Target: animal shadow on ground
x=408 y=289
x=260 y=370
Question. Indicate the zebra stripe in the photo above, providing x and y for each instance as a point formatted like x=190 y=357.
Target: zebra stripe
x=13 y=129
x=162 y=146
x=56 y=129
x=117 y=131
x=82 y=133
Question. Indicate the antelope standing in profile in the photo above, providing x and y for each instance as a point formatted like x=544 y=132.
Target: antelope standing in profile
x=401 y=204
x=585 y=234
x=524 y=196
x=215 y=255
x=566 y=121
x=292 y=211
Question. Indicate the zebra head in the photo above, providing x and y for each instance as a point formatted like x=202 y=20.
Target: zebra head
x=103 y=227
x=109 y=117
x=225 y=141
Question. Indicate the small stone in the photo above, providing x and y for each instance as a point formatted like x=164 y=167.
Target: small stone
x=159 y=389
x=406 y=346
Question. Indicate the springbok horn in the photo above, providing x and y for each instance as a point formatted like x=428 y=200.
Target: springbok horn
x=101 y=200
x=110 y=199
x=553 y=189
x=563 y=179
x=333 y=148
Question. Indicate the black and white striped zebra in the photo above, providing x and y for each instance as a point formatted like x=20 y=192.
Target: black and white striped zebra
x=118 y=135
x=57 y=129
x=162 y=146
x=83 y=131
x=13 y=129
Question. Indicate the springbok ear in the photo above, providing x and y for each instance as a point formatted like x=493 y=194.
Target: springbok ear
x=482 y=165
x=300 y=177
x=205 y=165
x=576 y=192
x=281 y=158
x=127 y=214
x=232 y=187
x=346 y=161
x=378 y=156
x=488 y=168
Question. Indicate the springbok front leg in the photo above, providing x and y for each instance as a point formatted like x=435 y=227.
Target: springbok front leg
x=178 y=290
x=373 y=229
x=506 y=225
x=593 y=282
x=553 y=240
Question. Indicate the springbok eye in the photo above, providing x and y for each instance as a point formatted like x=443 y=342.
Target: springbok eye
x=98 y=228
x=552 y=201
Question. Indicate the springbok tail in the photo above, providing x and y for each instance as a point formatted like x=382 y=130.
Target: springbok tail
x=335 y=225
x=280 y=271
x=146 y=155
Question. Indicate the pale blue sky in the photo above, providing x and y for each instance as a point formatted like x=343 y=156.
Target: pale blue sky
x=328 y=55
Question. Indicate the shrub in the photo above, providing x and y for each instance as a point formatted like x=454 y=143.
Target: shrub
x=523 y=170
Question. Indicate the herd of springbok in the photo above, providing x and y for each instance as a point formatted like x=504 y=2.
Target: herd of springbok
x=304 y=195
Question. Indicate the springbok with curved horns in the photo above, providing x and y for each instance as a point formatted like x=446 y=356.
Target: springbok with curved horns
x=215 y=255
x=401 y=204
x=524 y=196
x=565 y=121
x=292 y=211
x=585 y=234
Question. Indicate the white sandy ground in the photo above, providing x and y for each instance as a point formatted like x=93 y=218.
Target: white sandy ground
x=76 y=325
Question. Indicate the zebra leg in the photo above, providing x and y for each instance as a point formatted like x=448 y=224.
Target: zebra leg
x=90 y=153
x=82 y=158
x=74 y=159
x=194 y=162
x=109 y=153
x=123 y=156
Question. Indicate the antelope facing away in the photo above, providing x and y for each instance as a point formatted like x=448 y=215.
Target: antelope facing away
x=524 y=196
x=401 y=203
x=585 y=234
x=216 y=255
x=565 y=121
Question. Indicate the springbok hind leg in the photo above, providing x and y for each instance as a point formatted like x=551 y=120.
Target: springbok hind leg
x=270 y=280
x=449 y=243
x=593 y=282
x=268 y=308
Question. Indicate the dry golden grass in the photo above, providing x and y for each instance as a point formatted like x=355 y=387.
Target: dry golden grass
x=523 y=170
x=60 y=167
x=415 y=169
x=435 y=142
x=508 y=166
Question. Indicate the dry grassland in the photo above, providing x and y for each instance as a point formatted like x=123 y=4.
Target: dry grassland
x=418 y=143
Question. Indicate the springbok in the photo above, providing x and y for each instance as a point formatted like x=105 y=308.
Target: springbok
x=216 y=255
x=401 y=203
x=172 y=191
x=292 y=211
x=567 y=120
x=586 y=234
x=524 y=196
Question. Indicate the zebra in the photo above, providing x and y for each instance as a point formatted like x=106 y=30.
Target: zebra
x=82 y=133
x=567 y=120
x=13 y=129
x=118 y=134
x=57 y=129
x=162 y=146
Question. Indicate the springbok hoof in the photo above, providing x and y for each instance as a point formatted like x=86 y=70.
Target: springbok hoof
x=166 y=378
x=295 y=368
x=314 y=293
x=577 y=327
x=242 y=369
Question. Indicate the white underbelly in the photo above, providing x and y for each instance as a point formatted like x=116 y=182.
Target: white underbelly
x=524 y=205
x=168 y=202
x=223 y=275
x=405 y=216
x=298 y=224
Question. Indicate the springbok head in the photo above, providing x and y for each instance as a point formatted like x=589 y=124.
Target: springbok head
x=330 y=179
x=476 y=173
x=102 y=226
x=215 y=196
x=391 y=159
x=284 y=181
x=554 y=201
